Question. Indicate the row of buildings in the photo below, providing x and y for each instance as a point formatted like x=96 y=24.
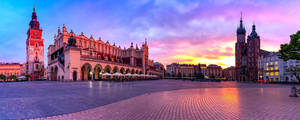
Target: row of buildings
x=189 y=70
x=77 y=57
x=251 y=63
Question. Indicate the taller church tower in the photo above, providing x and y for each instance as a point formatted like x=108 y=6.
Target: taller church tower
x=34 y=49
x=241 y=53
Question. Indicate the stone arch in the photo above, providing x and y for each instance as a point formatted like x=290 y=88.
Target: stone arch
x=74 y=75
x=122 y=70
x=107 y=69
x=98 y=72
x=127 y=70
x=137 y=71
x=132 y=71
x=55 y=72
x=86 y=70
x=116 y=69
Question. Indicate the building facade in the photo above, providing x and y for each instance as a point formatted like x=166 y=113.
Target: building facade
x=76 y=57
x=35 y=49
x=183 y=70
x=247 y=54
x=273 y=67
x=214 y=71
x=10 y=69
x=229 y=73
x=288 y=76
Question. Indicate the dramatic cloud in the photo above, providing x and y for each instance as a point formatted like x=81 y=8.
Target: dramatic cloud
x=190 y=31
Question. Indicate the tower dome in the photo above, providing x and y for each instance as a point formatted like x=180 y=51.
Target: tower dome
x=253 y=34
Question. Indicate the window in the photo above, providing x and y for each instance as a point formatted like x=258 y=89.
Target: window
x=276 y=63
x=267 y=64
x=271 y=68
x=276 y=68
x=36 y=66
x=271 y=63
x=276 y=73
x=267 y=68
x=267 y=73
x=272 y=73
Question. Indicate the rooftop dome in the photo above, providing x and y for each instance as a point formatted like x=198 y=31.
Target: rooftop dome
x=253 y=33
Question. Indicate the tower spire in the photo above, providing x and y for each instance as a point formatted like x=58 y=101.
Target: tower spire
x=34 y=23
x=33 y=8
x=241 y=16
x=241 y=20
x=241 y=29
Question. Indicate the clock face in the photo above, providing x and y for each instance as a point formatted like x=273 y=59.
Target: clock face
x=35 y=34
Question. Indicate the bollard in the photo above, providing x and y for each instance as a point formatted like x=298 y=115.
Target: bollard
x=293 y=92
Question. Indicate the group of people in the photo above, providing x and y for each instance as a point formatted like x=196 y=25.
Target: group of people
x=128 y=77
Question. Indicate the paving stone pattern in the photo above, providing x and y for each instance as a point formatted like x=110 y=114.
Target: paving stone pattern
x=23 y=100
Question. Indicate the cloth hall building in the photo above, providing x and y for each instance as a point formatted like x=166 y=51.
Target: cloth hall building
x=77 y=57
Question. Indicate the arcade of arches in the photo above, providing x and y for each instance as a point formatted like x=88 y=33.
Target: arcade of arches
x=88 y=72
x=93 y=71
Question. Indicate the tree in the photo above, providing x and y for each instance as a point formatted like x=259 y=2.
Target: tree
x=3 y=77
x=13 y=77
x=179 y=75
x=168 y=74
x=27 y=76
x=291 y=51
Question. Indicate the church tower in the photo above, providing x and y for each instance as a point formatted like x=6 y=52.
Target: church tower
x=34 y=49
x=241 y=53
x=253 y=53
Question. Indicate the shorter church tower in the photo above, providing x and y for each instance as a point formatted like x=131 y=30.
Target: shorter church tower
x=34 y=49
x=253 y=53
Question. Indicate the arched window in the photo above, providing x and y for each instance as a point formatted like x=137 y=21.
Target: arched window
x=36 y=66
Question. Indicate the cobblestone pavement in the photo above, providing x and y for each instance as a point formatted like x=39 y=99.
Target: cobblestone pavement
x=199 y=104
x=23 y=100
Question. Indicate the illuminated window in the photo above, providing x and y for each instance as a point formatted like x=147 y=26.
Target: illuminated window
x=276 y=68
x=271 y=68
x=272 y=73
x=267 y=68
x=267 y=73
x=276 y=73
x=271 y=63
x=267 y=64
x=276 y=63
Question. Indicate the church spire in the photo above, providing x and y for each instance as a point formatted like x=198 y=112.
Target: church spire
x=34 y=23
x=241 y=29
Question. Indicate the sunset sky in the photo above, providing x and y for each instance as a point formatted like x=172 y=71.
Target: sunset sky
x=189 y=31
